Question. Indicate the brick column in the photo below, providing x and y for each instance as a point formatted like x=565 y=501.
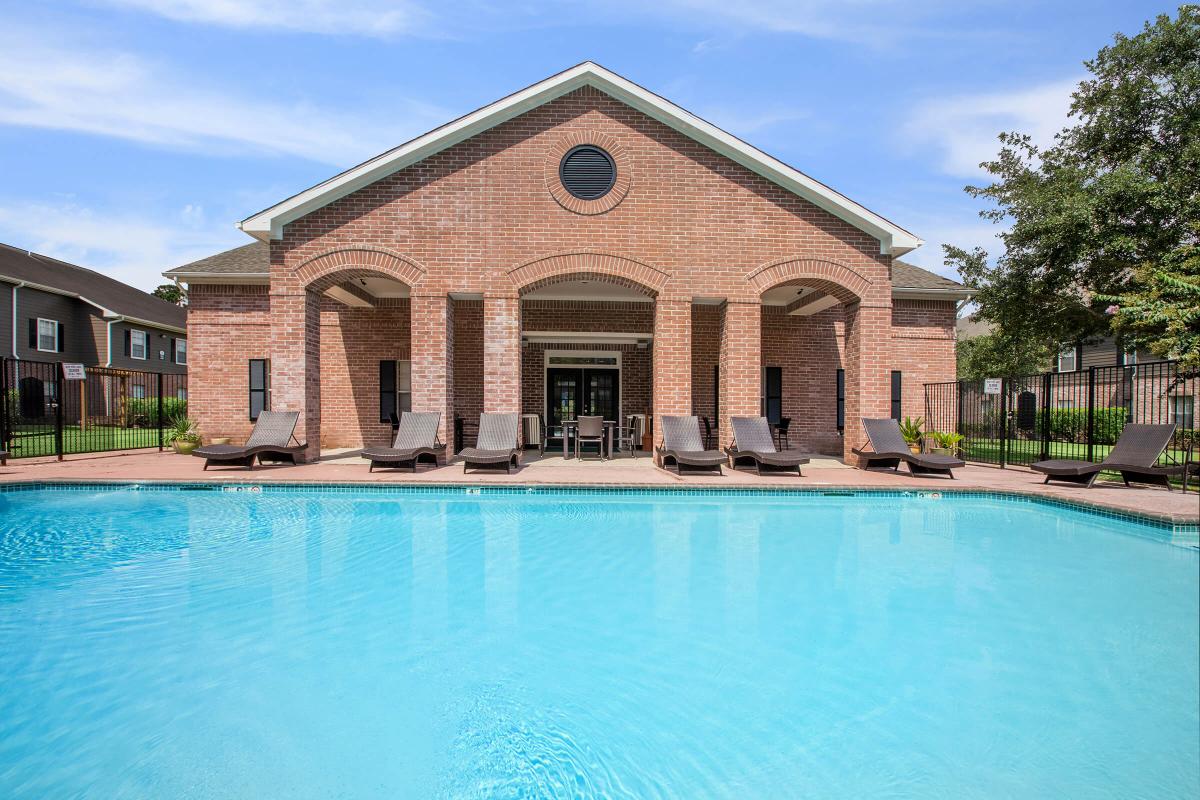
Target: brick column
x=502 y=354
x=432 y=354
x=868 y=366
x=672 y=373
x=740 y=365
x=296 y=363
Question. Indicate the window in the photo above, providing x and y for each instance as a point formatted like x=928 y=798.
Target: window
x=137 y=342
x=47 y=335
x=1129 y=357
x=260 y=386
x=1183 y=411
x=395 y=389
x=587 y=172
x=181 y=394
x=180 y=351
x=137 y=391
x=772 y=400
x=1067 y=359
x=841 y=400
x=897 y=379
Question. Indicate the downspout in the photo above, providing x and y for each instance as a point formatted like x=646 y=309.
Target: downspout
x=15 y=356
x=111 y=322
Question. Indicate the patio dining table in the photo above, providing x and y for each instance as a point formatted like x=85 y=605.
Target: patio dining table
x=571 y=424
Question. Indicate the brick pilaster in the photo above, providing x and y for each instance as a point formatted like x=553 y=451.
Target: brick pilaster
x=672 y=371
x=296 y=363
x=502 y=354
x=740 y=365
x=868 y=365
x=432 y=348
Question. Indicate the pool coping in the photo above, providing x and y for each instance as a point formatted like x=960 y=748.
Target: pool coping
x=1174 y=524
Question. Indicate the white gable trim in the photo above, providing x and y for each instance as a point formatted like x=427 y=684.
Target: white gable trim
x=268 y=224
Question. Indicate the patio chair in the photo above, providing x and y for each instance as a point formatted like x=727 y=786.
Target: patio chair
x=781 y=433
x=269 y=441
x=627 y=438
x=3 y=458
x=682 y=447
x=1134 y=455
x=888 y=449
x=416 y=439
x=590 y=431
x=496 y=444
x=708 y=437
x=752 y=443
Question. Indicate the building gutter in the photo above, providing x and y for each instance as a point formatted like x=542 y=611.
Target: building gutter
x=111 y=322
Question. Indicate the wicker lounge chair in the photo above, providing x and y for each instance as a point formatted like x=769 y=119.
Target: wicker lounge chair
x=888 y=449
x=269 y=441
x=752 y=443
x=1134 y=456
x=683 y=446
x=496 y=445
x=416 y=439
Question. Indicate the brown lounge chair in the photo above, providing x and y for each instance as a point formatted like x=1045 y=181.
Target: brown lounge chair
x=416 y=438
x=1134 y=456
x=888 y=449
x=496 y=445
x=683 y=446
x=269 y=441
x=752 y=442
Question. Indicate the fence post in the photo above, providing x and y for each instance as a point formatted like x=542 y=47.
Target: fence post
x=1047 y=388
x=58 y=411
x=1091 y=411
x=1003 y=422
x=159 y=415
x=3 y=403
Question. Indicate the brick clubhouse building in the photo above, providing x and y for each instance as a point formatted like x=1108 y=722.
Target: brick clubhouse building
x=581 y=246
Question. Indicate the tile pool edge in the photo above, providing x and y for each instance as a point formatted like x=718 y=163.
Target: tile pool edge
x=1172 y=524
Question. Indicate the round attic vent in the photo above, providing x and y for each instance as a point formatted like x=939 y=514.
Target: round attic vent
x=587 y=172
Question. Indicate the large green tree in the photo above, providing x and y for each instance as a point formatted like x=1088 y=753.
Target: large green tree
x=169 y=292
x=1103 y=229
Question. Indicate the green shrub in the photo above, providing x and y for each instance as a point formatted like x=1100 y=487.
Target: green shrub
x=1071 y=424
x=143 y=411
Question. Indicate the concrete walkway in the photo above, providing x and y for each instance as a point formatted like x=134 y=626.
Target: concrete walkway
x=824 y=472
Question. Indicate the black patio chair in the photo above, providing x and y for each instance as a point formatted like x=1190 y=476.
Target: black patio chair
x=682 y=447
x=269 y=441
x=888 y=450
x=416 y=439
x=752 y=443
x=1135 y=456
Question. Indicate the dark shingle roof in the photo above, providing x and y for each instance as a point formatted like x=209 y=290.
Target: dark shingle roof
x=910 y=276
x=108 y=293
x=249 y=259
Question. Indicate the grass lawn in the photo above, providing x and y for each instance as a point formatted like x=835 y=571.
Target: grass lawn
x=97 y=438
x=1025 y=452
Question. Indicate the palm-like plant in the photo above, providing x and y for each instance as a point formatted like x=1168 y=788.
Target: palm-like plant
x=910 y=429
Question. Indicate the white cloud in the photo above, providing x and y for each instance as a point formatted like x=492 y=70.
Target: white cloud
x=376 y=18
x=938 y=232
x=121 y=95
x=963 y=128
x=744 y=122
x=133 y=248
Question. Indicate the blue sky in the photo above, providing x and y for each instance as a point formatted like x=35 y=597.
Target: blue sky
x=134 y=133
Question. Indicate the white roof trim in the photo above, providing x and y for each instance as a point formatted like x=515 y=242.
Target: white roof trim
x=220 y=277
x=268 y=224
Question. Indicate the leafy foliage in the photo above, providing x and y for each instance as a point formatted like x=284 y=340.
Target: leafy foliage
x=1109 y=210
x=910 y=429
x=998 y=355
x=169 y=292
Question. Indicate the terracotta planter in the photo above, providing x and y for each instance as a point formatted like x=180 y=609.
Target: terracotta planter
x=220 y=440
x=915 y=449
x=942 y=451
x=184 y=448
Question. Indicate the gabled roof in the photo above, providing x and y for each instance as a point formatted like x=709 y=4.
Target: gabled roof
x=909 y=280
x=268 y=224
x=111 y=297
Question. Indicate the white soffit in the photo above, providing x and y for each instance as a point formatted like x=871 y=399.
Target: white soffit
x=268 y=224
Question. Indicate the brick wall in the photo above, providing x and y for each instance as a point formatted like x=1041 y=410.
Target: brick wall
x=922 y=349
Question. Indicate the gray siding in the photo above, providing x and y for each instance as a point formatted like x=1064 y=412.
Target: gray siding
x=5 y=319
x=78 y=343
x=160 y=341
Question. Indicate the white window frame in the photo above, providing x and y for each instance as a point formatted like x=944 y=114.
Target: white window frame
x=54 y=332
x=1174 y=414
x=135 y=388
x=1074 y=355
x=1130 y=358
x=133 y=335
x=181 y=343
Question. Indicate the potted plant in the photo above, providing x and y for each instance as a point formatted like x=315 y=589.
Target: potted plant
x=182 y=435
x=910 y=429
x=947 y=443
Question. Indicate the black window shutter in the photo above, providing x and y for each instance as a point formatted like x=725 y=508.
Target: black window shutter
x=841 y=400
x=173 y=361
x=896 y=380
x=387 y=390
x=62 y=338
x=128 y=343
x=259 y=372
x=774 y=398
x=33 y=333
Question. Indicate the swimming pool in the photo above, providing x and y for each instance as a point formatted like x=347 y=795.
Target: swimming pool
x=307 y=642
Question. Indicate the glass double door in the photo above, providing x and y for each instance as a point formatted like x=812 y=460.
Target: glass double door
x=572 y=392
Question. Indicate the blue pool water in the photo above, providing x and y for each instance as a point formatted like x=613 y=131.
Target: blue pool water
x=314 y=644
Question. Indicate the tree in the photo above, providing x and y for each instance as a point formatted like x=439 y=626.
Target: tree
x=169 y=292
x=1107 y=215
x=995 y=355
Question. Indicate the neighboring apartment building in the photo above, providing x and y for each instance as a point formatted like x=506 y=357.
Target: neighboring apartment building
x=54 y=311
x=581 y=246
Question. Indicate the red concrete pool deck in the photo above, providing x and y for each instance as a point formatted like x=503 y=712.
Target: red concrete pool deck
x=824 y=473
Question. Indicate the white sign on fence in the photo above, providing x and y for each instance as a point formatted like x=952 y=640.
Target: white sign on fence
x=73 y=372
x=992 y=385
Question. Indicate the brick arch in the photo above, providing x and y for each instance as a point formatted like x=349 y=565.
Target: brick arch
x=605 y=267
x=839 y=280
x=346 y=263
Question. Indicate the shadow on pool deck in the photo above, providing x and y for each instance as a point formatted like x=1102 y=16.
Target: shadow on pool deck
x=346 y=466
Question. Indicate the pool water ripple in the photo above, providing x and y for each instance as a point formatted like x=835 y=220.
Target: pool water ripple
x=342 y=644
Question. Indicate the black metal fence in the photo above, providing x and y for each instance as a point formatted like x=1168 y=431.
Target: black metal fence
x=1064 y=414
x=42 y=413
